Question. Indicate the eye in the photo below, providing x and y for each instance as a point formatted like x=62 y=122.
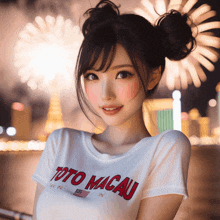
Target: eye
x=90 y=76
x=125 y=74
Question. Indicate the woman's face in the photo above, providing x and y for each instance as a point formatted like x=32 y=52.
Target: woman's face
x=119 y=86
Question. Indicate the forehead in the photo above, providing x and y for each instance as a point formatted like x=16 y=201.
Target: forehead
x=121 y=58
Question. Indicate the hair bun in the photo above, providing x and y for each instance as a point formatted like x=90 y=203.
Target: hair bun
x=105 y=10
x=176 y=35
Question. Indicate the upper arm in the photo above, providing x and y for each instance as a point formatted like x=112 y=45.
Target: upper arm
x=39 y=190
x=46 y=163
x=162 y=207
x=168 y=172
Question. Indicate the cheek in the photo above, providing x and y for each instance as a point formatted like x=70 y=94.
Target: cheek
x=92 y=92
x=129 y=90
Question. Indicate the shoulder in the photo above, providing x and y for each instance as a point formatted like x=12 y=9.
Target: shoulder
x=64 y=132
x=62 y=138
x=173 y=139
x=175 y=136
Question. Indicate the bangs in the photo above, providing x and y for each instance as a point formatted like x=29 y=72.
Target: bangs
x=103 y=55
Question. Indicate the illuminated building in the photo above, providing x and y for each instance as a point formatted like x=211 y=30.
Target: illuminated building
x=194 y=124
x=185 y=123
x=218 y=98
x=158 y=115
x=21 y=120
x=204 y=128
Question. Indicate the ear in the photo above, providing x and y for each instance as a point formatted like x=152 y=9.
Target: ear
x=155 y=78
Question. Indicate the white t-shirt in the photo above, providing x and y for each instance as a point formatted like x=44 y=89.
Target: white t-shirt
x=82 y=183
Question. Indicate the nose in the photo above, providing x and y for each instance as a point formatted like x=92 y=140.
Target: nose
x=107 y=90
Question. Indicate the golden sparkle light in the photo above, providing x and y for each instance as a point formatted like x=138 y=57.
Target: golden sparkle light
x=21 y=145
x=47 y=49
x=184 y=72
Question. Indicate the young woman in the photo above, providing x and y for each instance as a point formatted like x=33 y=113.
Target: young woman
x=122 y=173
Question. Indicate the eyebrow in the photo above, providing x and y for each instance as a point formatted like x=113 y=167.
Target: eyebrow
x=117 y=66
x=122 y=65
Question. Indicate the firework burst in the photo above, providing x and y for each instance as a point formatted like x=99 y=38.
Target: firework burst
x=46 y=51
x=181 y=73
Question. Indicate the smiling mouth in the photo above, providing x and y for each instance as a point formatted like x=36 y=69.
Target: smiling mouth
x=111 y=111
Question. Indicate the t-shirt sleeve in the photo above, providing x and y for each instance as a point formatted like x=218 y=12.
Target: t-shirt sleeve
x=43 y=171
x=169 y=168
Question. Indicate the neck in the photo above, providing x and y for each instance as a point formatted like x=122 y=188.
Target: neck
x=130 y=132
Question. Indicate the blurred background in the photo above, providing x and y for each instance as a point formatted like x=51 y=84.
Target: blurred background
x=39 y=42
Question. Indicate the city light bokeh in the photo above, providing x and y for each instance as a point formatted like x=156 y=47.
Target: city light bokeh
x=11 y=131
x=1 y=130
x=212 y=102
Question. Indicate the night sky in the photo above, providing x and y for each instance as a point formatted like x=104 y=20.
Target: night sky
x=199 y=97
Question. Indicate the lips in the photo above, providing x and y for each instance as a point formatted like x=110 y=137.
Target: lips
x=112 y=112
x=110 y=106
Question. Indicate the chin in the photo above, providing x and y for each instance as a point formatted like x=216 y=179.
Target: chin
x=111 y=121
x=117 y=121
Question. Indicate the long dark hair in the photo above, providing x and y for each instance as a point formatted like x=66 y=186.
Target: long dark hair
x=105 y=27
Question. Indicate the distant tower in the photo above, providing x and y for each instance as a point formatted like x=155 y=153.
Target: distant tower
x=176 y=110
x=54 y=116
